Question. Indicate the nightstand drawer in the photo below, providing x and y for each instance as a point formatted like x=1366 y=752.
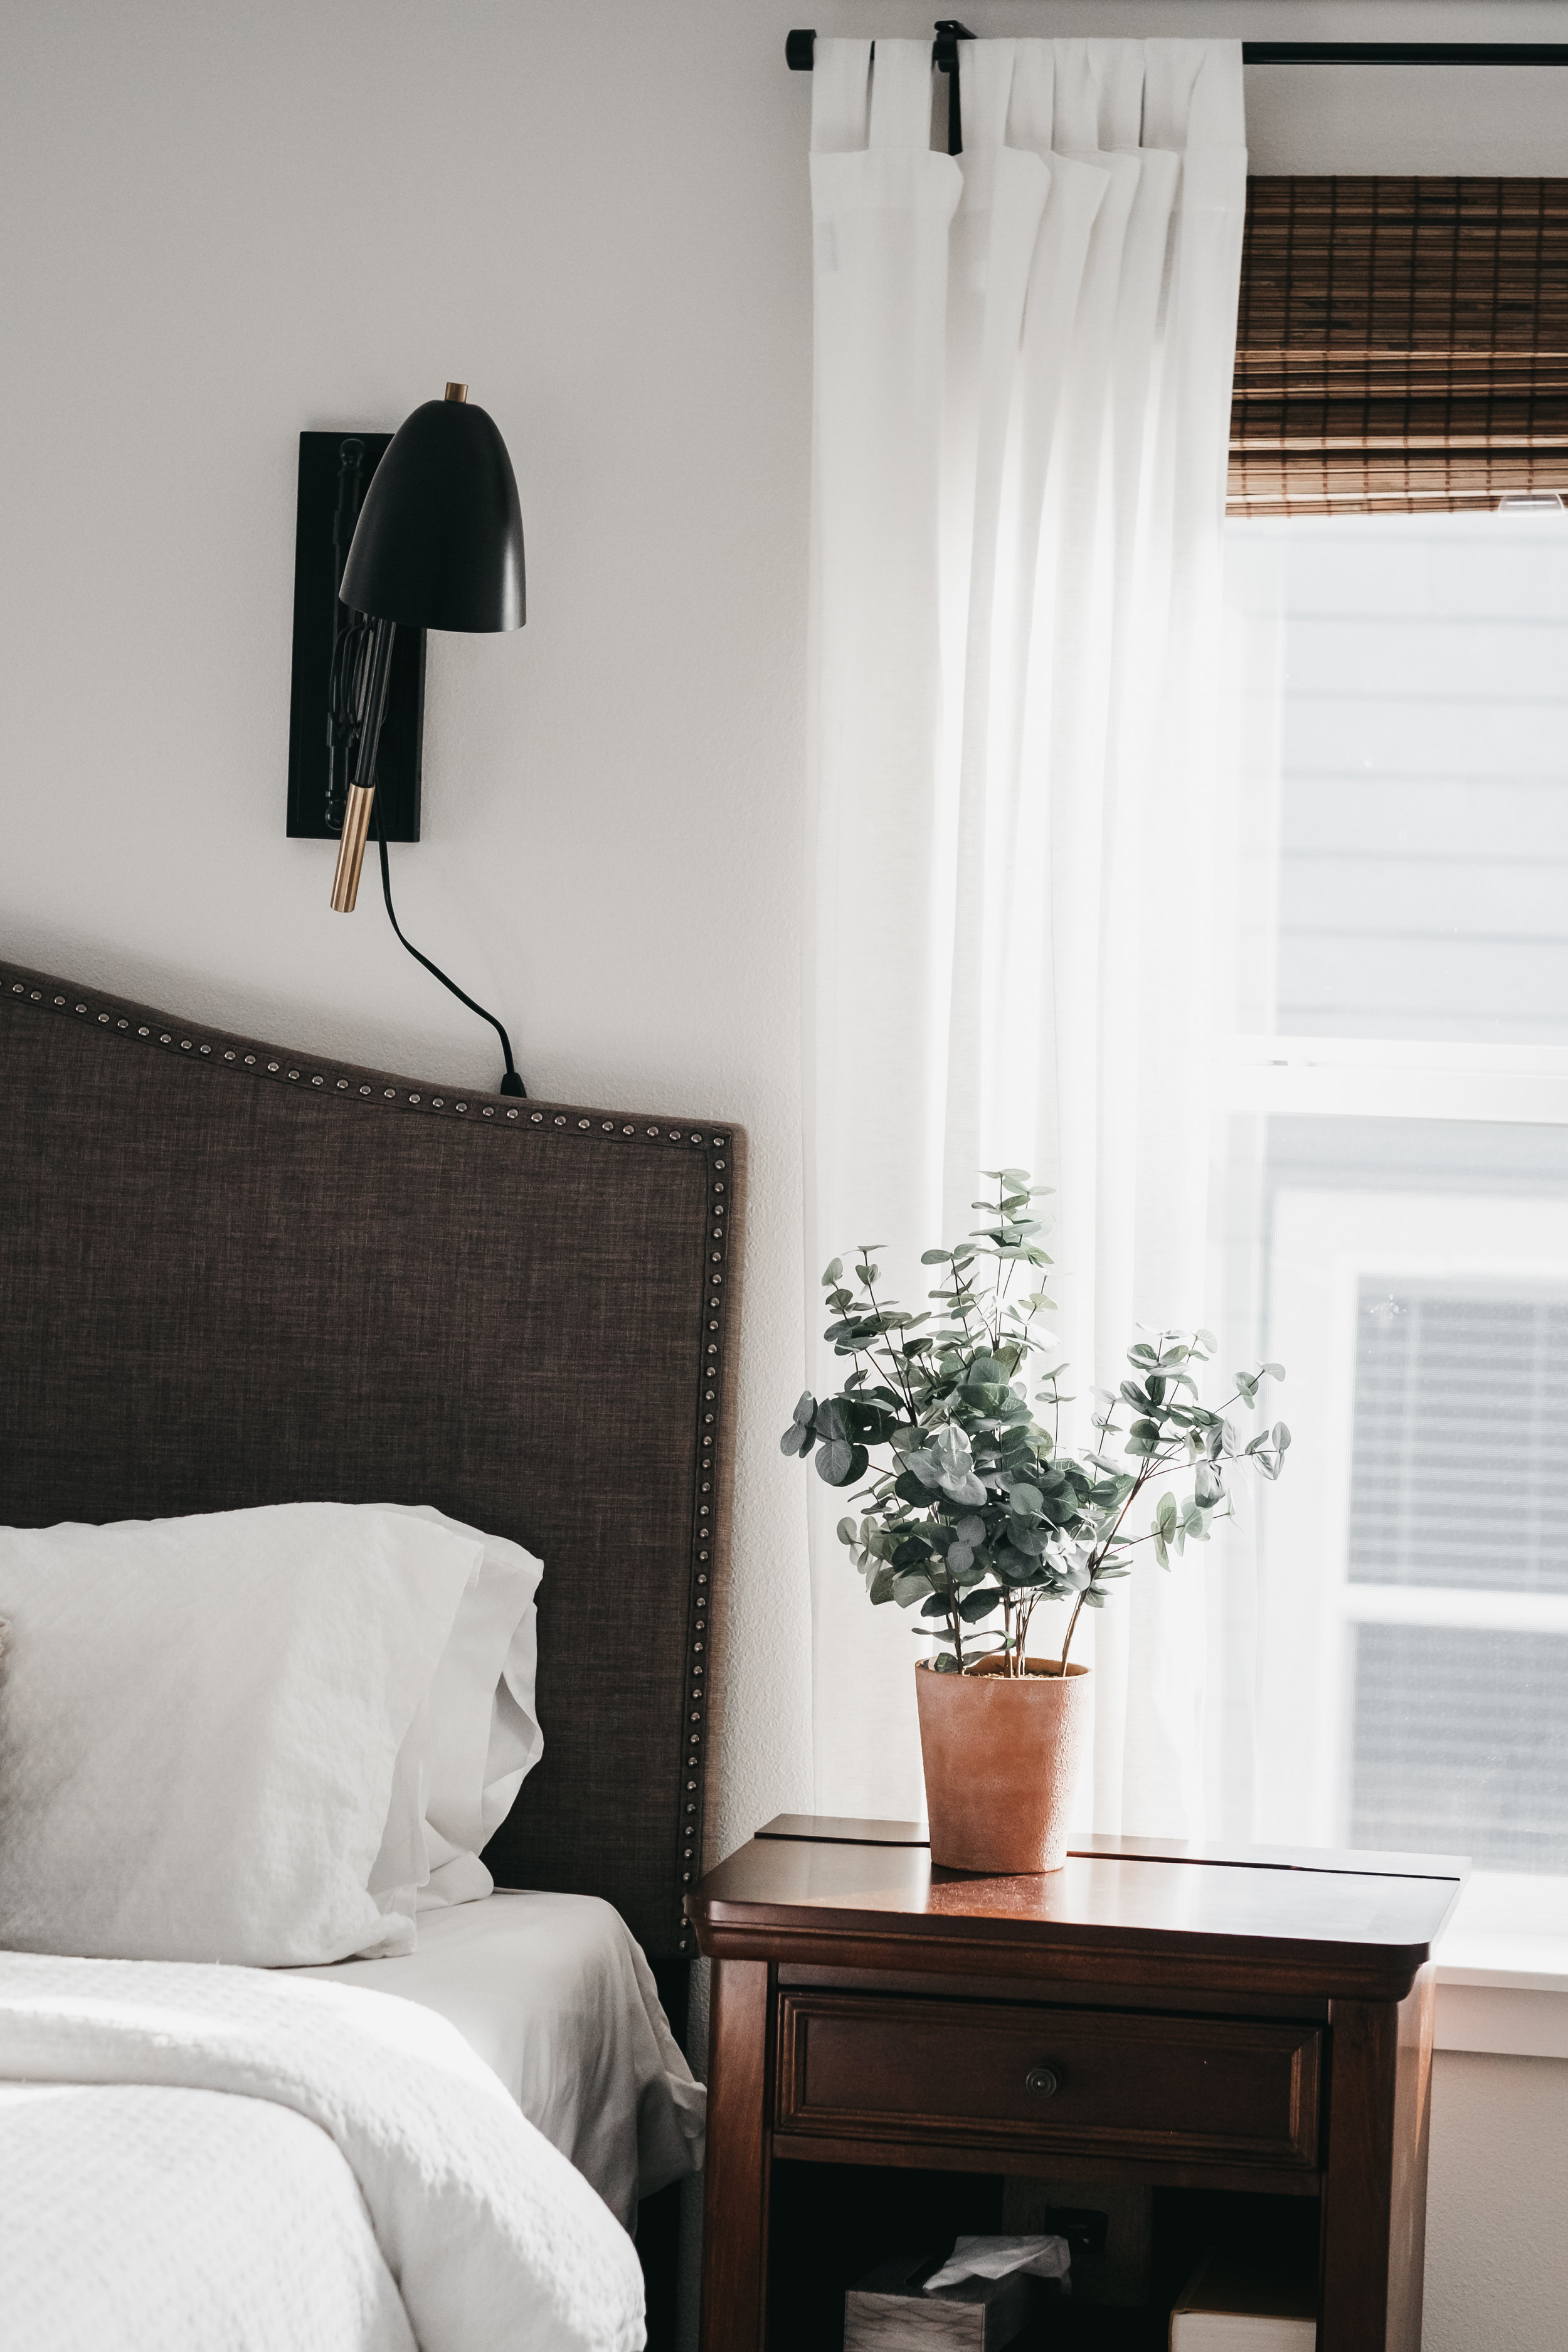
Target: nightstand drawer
x=1091 y=2081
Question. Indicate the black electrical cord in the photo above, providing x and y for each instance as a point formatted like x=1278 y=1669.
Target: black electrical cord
x=346 y=684
x=511 y=1084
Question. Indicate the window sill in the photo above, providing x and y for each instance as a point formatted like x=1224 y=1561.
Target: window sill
x=1503 y=1994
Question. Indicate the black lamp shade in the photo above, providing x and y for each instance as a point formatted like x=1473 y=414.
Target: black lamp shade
x=439 y=540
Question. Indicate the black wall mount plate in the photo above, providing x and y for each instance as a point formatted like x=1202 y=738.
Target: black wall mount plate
x=318 y=615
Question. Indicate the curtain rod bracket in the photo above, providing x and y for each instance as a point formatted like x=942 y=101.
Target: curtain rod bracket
x=800 y=56
x=800 y=46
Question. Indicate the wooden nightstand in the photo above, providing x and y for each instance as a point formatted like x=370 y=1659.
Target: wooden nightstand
x=1238 y=2020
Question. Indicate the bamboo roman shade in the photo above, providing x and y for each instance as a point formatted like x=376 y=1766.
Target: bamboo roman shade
x=1402 y=345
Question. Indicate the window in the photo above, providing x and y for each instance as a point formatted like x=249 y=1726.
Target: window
x=1394 y=1141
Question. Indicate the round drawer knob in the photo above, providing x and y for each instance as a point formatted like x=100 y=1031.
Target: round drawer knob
x=1043 y=2080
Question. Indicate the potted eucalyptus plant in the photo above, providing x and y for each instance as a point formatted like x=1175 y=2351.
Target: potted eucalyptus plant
x=971 y=1511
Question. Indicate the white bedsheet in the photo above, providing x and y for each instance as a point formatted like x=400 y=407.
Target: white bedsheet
x=195 y=2159
x=554 y=1993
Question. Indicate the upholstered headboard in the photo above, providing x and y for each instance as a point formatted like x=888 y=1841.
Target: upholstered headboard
x=233 y=1275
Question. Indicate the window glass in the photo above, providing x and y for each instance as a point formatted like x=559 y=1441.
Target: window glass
x=1412 y=1277
x=1459 y=1744
x=1422 y=749
x=1458 y=1473
x=1392 y=1192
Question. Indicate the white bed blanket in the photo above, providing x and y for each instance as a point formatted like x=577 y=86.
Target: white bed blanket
x=490 y=2238
x=137 y=2219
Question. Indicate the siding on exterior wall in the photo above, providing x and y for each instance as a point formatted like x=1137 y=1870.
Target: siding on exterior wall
x=1425 y=782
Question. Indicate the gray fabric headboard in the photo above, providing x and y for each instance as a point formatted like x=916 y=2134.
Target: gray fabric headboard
x=232 y=1274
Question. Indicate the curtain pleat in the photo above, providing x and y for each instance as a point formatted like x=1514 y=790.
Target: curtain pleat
x=1023 y=363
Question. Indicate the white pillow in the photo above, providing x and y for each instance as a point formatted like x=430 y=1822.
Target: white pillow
x=199 y=1727
x=476 y=1736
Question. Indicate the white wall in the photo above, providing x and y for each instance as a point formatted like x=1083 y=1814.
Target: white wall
x=220 y=223
x=225 y=223
x=1497 y=2267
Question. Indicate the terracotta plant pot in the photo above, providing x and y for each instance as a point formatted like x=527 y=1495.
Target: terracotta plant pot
x=1000 y=1759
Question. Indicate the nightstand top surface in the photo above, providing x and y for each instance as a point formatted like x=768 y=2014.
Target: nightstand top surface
x=1349 y=1920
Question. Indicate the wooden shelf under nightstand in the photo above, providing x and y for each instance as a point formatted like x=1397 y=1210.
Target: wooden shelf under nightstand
x=1240 y=2020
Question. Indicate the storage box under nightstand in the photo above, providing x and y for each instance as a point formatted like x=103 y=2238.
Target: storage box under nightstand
x=889 y=2311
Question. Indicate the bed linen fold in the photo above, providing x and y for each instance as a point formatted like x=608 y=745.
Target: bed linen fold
x=493 y=2241
x=555 y=1993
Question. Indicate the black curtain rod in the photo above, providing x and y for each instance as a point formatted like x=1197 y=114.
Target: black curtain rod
x=800 y=46
x=1405 y=53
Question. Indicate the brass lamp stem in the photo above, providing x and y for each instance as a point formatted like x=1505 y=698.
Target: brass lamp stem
x=362 y=791
x=350 y=848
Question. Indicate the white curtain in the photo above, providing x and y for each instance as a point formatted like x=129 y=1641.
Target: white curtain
x=1023 y=364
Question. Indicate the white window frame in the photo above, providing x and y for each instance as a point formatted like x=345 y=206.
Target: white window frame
x=1376 y=1077
x=1503 y=1965
x=1326 y=1245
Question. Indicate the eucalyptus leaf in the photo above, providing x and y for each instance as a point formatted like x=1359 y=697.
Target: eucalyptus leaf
x=839 y=1462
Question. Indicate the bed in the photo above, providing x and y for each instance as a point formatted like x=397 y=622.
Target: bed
x=232 y=1276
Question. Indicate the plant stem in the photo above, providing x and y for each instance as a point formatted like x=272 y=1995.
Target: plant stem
x=1073 y=1620
x=1152 y=1463
x=900 y=1368
x=1140 y=1482
x=997 y=1284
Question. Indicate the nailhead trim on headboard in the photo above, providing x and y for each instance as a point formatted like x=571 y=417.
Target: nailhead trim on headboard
x=238 y=1057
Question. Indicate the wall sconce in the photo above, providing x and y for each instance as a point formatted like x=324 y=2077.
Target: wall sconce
x=426 y=534
x=335 y=471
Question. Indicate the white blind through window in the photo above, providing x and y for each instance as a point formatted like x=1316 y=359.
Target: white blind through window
x=1459 y=1468
x=1459 y=1742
